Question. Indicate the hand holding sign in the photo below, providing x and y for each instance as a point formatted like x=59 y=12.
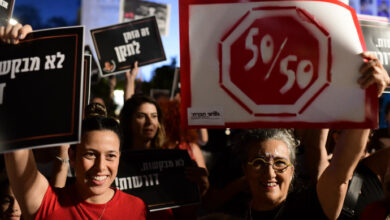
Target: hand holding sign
x=373 y=72
x=273 y=64
x=51 y=112
x=377 y=39
x=125 y=43
x=14 y=33
x=131 y=75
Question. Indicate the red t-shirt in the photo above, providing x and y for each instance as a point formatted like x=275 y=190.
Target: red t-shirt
x=64 y=204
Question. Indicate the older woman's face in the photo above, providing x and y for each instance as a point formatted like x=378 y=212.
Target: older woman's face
x=266 y=184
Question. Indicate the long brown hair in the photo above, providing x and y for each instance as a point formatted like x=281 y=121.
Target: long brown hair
x=129 y=109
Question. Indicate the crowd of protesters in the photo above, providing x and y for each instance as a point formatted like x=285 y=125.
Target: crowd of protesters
x=256 y=174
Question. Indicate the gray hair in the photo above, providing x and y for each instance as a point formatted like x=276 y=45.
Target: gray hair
x=246 y=138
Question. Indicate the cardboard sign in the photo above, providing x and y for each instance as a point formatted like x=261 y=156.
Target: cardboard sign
x=377 y=39
x=41 y=92
x=157 y=176
x=87 y=80
x=272 y=64
x=95 y=71
x=119 y=46
x=135 y=9
x=6 y=8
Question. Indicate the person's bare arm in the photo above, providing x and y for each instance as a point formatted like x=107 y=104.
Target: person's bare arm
x=379 y=161
x=28 y=184
x=60 y=167
x=129 y=87
x=199 y=159
x=203 y=136
x=333 y=183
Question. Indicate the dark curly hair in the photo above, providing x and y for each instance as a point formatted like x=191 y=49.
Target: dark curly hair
x=95 y=109
x=96 y=120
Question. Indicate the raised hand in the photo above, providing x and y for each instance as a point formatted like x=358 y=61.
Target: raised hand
x=372 y=71
x=12 y=34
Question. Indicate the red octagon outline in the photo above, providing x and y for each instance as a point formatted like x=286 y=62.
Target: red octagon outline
x=304 y=101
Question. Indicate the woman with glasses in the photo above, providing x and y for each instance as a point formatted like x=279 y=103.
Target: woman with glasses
x=268 y=157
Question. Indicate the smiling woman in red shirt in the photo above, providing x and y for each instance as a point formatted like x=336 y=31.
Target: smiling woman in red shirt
x=95 y=161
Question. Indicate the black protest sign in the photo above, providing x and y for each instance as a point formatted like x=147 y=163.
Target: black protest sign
x=41 y=82
x=119 y=46
x=6 y=7
x=157 y=176
x=377 y=39
x=95 y=71
x=87 y=80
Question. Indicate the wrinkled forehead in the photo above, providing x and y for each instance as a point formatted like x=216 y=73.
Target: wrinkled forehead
x=272 y=148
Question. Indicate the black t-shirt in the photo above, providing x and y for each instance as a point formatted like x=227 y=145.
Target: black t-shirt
x=299 y=205
x=371 y=191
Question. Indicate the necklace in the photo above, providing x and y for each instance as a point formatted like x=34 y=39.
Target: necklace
x=105 y=205
x=104 y=209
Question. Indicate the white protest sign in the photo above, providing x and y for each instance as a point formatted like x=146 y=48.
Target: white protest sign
x=273 y=64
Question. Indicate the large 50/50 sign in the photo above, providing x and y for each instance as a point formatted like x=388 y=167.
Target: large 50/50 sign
x=256 y=60
x=272 y=64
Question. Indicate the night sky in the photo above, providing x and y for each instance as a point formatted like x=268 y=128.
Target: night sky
x=68 y=9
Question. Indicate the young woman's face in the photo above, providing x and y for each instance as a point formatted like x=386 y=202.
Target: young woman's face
x=96 y=162
x=10 y=209
x=145 y=122
x=268 y=185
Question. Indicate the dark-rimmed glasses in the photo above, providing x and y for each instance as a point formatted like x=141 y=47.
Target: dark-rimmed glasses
x=279 y=165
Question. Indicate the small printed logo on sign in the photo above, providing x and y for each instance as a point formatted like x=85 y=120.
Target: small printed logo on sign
x=205 y=116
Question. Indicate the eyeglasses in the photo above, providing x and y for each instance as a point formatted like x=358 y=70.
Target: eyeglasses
x=279 y=165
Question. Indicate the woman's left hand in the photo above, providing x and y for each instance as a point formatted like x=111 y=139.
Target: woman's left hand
x=372 y=71
x=199 y=175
